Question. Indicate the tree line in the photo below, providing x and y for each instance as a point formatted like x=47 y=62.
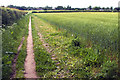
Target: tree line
x=9 y=16
x=66 y=8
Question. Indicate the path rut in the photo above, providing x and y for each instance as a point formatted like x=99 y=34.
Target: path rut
x=29 y=61
x=15 y=59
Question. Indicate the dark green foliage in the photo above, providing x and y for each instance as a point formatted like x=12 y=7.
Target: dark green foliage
x=59 y=8
x=109 y=69
x=9 y=16
x=76 y=42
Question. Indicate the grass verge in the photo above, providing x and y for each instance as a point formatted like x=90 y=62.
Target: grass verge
x=11 y=39
x=44 y=63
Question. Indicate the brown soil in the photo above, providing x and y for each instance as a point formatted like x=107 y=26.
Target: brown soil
x=29 y=61
x=15 y=59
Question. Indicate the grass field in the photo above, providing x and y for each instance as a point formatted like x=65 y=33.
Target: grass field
x=85 y=43
x=95 y=28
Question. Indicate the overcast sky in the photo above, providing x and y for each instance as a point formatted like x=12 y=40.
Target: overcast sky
x=54 y=3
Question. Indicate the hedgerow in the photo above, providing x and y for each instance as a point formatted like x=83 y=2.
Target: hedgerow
x=9 y=16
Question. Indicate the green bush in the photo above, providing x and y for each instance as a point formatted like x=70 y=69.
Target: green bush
x=10 y=16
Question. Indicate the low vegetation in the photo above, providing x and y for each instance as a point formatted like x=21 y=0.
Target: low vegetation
x=44 y=63
x=11 y=38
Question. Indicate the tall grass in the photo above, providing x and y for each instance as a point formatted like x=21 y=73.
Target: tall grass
x=96 y=28
x=11 y=38
x=70 y=47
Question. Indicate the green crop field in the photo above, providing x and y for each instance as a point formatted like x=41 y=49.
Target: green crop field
x=96 y=28
x=90 y=38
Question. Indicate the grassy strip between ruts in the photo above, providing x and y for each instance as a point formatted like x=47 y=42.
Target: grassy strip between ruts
x=76 y=59
x=44 y=63
x=11 y=39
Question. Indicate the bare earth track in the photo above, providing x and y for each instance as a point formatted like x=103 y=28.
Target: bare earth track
x=29 y=61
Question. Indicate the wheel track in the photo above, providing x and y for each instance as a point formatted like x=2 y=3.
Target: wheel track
x=15 y=59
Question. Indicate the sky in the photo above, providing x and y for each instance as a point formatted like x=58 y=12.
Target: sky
x=55 y=3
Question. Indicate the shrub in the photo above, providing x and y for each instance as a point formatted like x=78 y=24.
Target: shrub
x=9 y=16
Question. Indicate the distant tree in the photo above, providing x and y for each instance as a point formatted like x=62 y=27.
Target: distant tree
x=82 y=8
x=90 y=7
x=96 y=8
x=59 y=8
x=107 y=8
x=11 y=6
x=18 y=7
x=65 y=8
x=48 y=8
x=40 y=8
x=68 y=7
x=111 y=8
x=76 y=9
x=72 y=8
x=117 y=9
x=103 y=8
x=2 y=6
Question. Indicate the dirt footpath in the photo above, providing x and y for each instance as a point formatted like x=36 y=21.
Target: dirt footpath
x=29 y=61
